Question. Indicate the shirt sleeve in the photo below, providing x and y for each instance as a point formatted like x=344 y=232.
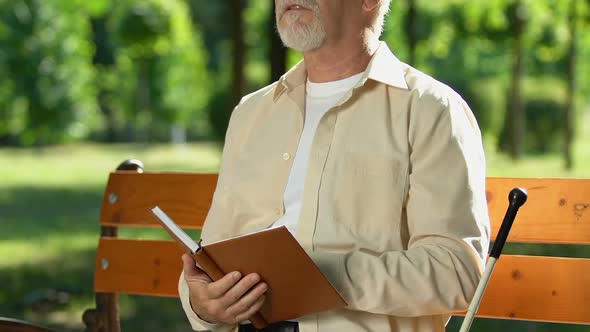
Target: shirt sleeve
x=447 y=217
x=219 y=211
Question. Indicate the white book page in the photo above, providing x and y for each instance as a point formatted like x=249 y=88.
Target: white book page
x=181 y=234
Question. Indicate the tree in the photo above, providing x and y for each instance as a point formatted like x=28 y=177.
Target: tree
x=183 y=69
x=277 y=51
x=516 y=120
x=104 y=61
x=521 y=27
x=142 y=27
x=573 y=19
x=162 y=56
x=239 y=50
x=411 y=23
x=46 y=93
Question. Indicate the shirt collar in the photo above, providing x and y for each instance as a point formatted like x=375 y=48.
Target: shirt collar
x=384 y=67
x=294 y=77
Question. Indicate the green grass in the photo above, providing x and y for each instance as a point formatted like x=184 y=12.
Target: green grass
x=50 y=201
x=551 y=165
x=49 y=204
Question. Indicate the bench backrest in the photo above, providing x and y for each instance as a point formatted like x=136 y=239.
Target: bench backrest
x=538 y=288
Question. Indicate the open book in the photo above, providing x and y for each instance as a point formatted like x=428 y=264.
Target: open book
x=296 y=285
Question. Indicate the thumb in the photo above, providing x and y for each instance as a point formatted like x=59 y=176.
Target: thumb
x=192 y=271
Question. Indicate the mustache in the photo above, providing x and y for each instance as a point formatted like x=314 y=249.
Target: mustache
x=282 y=5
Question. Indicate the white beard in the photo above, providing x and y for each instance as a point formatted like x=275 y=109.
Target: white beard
x=299 y=36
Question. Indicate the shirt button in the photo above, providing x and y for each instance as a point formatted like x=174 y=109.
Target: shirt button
x=286 y=156
x=278 y=211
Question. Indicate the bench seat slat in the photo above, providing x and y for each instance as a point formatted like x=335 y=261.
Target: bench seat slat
x=185 y=197
x=539 y=288
x=522 y=287
x=557 y=211
x=142 y=267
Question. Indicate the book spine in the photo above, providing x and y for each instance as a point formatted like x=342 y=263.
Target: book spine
x=215 y=273
x=208 y=265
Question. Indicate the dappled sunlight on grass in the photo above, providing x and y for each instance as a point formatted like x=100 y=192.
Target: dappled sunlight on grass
x=49 y=207
x=49 y=291
x=534 y=166
x=41 y=248
x=548 y=166
x=89 y=164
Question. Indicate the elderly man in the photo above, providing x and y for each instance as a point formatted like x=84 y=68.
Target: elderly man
x=376 y=168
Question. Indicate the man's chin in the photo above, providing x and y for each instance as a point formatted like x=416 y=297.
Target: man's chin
x=301 y=47
x=301 y=38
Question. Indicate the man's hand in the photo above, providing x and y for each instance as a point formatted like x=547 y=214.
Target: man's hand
x=229 y=300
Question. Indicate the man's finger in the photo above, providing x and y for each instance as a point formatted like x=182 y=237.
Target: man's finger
x=191 y=271
x=218 y=288
x=250 y=299
x=238 y=290
x=252 y=310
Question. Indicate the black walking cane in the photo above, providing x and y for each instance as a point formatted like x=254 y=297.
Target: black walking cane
x=516 y=199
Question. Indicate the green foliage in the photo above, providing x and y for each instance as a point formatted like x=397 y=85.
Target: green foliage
x=46 y=92
x=544 y=110
x=218 y=117
x=137 y=68
x=210 y=17
x=164 y=61
x=467 y=44
x=487 y=100
x=142 y=24
x=256 y=18
x=393 y=33
x=142 y=63
x=545 y=128
x=184 y=70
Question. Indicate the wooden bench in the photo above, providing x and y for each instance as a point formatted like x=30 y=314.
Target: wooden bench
x=523 y=287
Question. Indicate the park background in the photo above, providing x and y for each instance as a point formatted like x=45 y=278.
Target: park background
x=87 y=84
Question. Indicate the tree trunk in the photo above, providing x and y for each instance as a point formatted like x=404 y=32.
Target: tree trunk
x=570 y=110
x=237 y=33
x=111 y=134
x=143 y=101
x=277 y=51
x=104 y=58
x=411 y=33
x=516 y=116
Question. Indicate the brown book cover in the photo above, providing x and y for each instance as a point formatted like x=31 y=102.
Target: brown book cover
x=296 y=285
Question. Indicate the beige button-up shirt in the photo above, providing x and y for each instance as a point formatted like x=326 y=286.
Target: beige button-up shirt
x=394 y=209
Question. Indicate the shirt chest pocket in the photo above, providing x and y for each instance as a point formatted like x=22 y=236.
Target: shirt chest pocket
x=366 y=193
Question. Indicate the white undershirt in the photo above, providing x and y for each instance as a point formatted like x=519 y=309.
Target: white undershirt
x=320 y=97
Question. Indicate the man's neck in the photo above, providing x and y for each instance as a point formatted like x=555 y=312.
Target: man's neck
x=336 y=61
